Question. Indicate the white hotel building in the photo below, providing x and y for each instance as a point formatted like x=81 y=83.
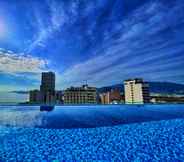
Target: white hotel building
x=136 y=91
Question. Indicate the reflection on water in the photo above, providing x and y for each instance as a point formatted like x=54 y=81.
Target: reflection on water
x=46 y=108
x=85 y=116
x=14 y=116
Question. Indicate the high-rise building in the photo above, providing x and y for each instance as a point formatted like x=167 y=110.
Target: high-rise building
x=47 y=87
x=80 y=95
x=47 y=93
x=47 y=82
x=136 y=91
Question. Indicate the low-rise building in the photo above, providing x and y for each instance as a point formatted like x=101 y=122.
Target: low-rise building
x=80 y=95
x=172 y=99
x=35 y=97
x=113 y=96
x=59 y=97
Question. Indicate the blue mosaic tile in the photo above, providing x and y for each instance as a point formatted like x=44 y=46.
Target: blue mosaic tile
x=152 y=141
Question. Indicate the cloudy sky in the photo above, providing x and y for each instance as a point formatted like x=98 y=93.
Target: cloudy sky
x=101 y=41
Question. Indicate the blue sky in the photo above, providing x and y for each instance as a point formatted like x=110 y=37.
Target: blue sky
x=103 y=42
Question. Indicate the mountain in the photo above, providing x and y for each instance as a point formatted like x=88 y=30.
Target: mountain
x=20 y=92
x=155 y=87
x=166 y=88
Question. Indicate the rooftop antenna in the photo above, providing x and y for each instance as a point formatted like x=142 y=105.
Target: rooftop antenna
x=86 y=82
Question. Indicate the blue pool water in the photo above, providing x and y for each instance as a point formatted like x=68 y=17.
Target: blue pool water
x=97 y=133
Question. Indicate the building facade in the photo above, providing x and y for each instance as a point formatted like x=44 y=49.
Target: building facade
x=47 y=82
x=136 y=91
x=59 y=97
x=47 y=88
x=113 y=96
x=80 y=95
x=162 y=98
x=46 y=94
x=35 y=97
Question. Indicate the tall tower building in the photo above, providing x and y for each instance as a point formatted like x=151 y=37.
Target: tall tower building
x=47 y=87
x=136 y=91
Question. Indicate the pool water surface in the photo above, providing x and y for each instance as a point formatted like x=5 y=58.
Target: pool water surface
x=86 y=116
x=92 y=133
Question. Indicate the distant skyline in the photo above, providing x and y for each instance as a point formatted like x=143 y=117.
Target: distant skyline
x=101 y=41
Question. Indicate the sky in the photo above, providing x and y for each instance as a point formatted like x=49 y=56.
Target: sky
x=102 y=42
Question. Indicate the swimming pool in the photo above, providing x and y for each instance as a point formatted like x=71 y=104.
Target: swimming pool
x=103 y=133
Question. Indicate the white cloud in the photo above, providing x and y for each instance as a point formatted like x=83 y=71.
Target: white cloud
x=58 y=16
x=57 y=19
x=18 y=63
